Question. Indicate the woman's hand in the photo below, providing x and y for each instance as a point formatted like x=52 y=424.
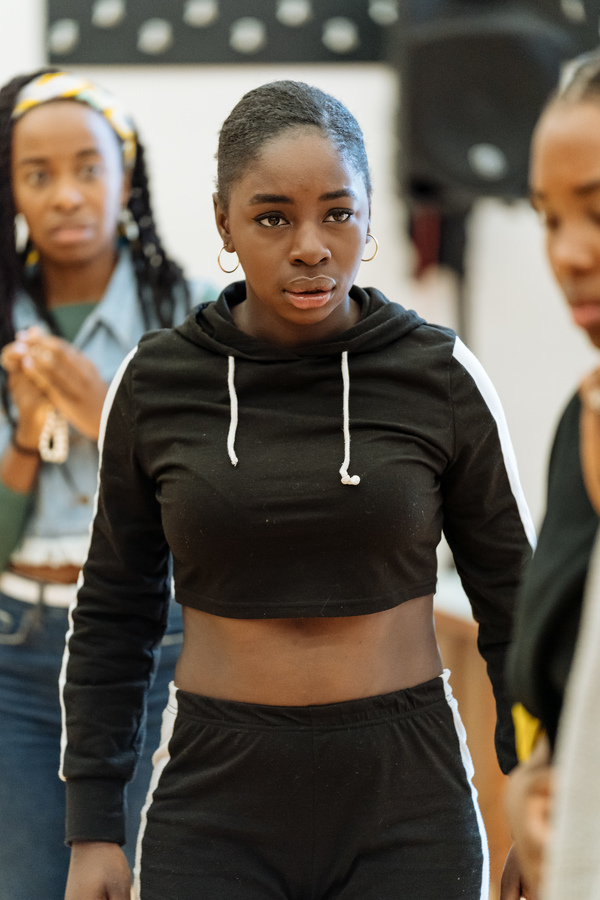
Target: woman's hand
x=32 y=407
x=31 y=402
x=512 y=886
x=66 y=377
x=528 y=805
x=98 y=871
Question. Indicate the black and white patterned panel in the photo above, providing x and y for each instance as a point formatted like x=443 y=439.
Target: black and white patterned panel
x=217 y=31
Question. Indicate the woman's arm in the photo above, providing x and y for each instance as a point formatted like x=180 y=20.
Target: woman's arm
x=43 y=372
x=487 y=525
x=20 y=461
x=117 y=625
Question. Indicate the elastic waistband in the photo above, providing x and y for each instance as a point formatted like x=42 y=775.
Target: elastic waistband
x=365 y=710
x=31 y=591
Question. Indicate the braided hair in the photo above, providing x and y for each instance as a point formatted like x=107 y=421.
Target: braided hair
x=271 y=109
x=157 y=275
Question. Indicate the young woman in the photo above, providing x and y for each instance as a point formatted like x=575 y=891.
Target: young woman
x=298 y=447
x=87 y=277
x=565 y=189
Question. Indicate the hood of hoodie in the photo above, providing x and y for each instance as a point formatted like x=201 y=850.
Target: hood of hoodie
x=381 y=322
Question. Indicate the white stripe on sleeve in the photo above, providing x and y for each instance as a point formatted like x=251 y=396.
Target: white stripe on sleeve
x=492 y=400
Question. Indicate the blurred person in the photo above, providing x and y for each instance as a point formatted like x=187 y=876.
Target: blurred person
x=312 y=746
x=572 y=865
x=83 y=274
x=565 y=190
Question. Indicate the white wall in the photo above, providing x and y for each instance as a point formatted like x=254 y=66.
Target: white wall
x=522 y=332
x=518 y=325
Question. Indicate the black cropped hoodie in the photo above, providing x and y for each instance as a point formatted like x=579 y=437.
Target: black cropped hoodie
x=313 y=481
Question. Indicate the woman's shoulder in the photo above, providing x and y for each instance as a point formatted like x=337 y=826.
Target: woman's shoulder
x=565 y=443
x=158 y=345
x=165 y=353
x=436 y=344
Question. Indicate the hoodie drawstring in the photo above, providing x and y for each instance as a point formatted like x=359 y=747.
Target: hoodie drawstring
x=233 y=421
x=347 y=479
x=233 y=412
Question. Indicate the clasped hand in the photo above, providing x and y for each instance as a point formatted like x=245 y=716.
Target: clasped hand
x=45 y=372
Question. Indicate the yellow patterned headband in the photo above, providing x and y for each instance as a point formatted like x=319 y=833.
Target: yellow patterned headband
x=64 y=85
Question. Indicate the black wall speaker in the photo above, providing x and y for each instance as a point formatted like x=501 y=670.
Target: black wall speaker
x=474 y=75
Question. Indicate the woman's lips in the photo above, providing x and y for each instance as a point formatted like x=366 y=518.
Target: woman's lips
x=306 y=300
x=72 y=234
x=586 y=314
x=310 y=291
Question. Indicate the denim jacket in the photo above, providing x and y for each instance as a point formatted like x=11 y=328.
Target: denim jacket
x=57 y=527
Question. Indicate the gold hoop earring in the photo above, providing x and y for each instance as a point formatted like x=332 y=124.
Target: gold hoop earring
x=373 y=238
x=227 y=271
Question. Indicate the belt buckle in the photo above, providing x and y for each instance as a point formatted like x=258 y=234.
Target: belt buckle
x=30 y=621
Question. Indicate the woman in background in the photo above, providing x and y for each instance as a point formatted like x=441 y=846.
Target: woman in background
x=83 y=274
x=565 y=190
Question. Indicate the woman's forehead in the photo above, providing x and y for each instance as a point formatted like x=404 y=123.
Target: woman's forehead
x=63 y=126
x=566 y=147
x=303 y=159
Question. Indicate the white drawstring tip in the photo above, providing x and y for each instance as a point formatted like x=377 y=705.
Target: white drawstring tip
x=346 y=479
x=233 y=406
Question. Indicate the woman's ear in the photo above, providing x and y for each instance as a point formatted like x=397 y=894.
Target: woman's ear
x=222 y=222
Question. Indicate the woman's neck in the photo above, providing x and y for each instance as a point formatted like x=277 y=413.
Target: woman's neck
x=78 y=283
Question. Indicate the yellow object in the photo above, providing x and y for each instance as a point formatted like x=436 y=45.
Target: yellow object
x=528 y=731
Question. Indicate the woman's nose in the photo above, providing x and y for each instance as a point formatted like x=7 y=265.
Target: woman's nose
x=309 y=246
x=67 y=194
x=571 y=251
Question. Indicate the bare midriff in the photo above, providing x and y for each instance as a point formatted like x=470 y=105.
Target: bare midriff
x=58 y=574
x=301 y=662
x=297 y=662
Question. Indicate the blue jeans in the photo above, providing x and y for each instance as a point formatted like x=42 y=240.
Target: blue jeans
x=33 y=857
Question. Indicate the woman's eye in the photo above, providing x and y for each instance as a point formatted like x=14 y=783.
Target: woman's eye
x=90 y=171
x=339 y=215
x=549 y=221
x=37 y=178
x=271 y=220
